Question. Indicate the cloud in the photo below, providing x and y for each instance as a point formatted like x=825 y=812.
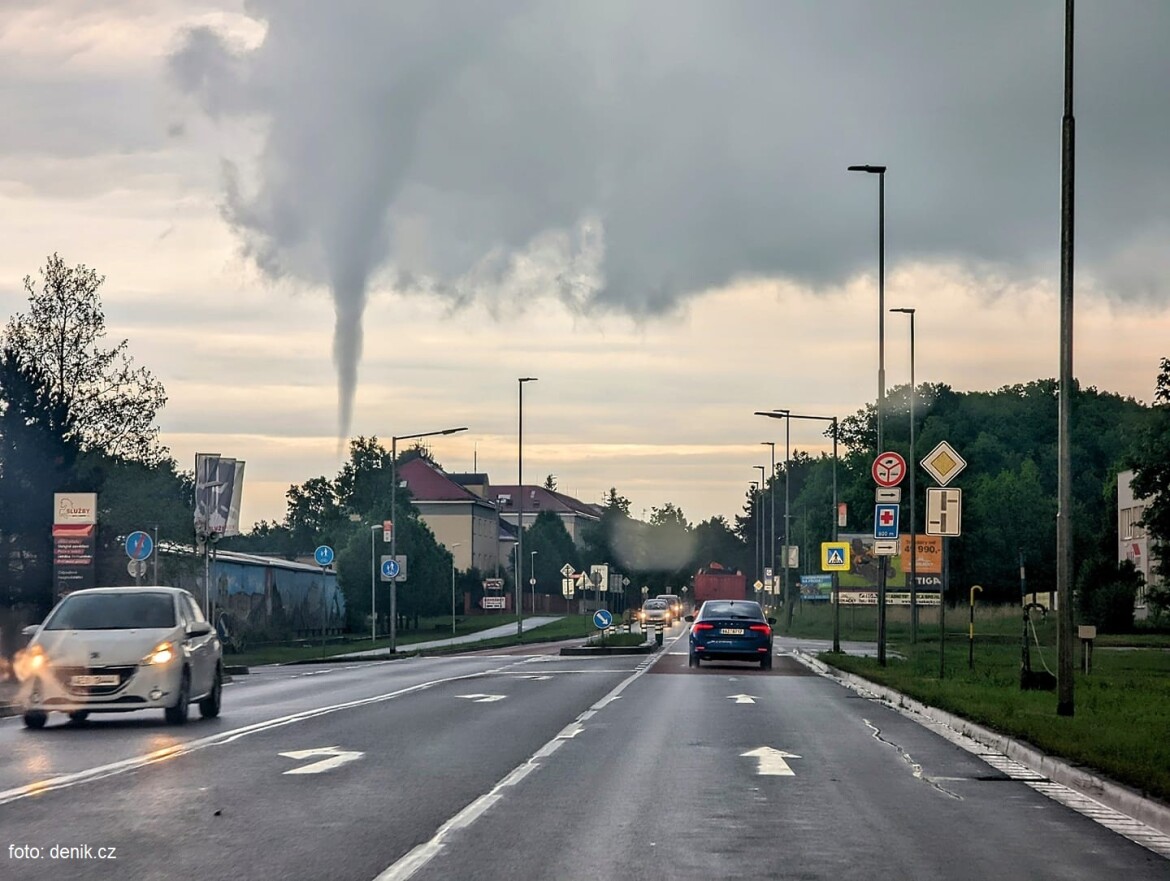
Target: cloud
x=625 y=157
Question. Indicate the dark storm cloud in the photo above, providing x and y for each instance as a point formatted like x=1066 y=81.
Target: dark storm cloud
x=676 y=145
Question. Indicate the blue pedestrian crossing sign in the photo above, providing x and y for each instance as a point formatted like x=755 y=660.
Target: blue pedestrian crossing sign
x=834 y=556
x=390 y=569
x=323 y=555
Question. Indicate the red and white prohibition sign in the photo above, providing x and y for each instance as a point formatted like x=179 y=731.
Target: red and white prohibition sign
x=888 y=469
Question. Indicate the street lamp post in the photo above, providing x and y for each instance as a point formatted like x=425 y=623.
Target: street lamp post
x=760 y=525
x=520 y=515
x=373 y=583
x=756 y=530
x=880 y=171
x=394 y=520
x=788 y=416
x=532 y=577
x=913 y=492
x=453 y=586
x=772 y=528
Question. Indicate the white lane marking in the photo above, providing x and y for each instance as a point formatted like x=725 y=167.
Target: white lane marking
x=336 y=758
x=770 y=762
x=742 y=698
x=121 y=767
x=483 y=698
x=424 y=853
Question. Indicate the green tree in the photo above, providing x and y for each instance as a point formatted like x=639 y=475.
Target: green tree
x=38 y=453
x=113 y=403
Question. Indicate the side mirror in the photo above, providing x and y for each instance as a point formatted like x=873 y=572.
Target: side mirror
x=688 y=617
x=771 y=620
x=28 y=630
x=201 y=628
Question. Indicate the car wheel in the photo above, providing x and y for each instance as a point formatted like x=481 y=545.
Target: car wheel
x=79 y=717
x=766 y=662
x=696 y=660
x=209 y=706
x=35 y=719
x=177 y=715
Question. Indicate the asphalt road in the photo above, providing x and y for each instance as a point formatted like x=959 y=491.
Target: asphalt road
x=525 y=765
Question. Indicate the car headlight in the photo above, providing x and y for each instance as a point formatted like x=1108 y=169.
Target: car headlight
x=163 y=653
x=29 y=662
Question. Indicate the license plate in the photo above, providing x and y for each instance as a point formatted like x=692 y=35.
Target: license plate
x=103 y=679
x=732 y=631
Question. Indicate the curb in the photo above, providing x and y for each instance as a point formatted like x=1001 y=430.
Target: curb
x=645 y=648
x=1121 y=798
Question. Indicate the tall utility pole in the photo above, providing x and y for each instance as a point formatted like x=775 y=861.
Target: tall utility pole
x=1064 y=561
x=772 y=524
x=912 y=461
x=880 y=171
x=760 y=531
x=519 y=591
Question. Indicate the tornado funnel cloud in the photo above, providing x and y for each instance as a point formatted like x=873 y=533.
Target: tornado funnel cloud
x=347 y=352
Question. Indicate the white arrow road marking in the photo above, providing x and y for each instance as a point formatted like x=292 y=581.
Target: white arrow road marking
x=483 y=698
x=337 y=758
x=742 y=698
x=770 y=762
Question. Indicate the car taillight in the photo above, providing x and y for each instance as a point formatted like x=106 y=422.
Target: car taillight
x=762 y=628
x=699 y=625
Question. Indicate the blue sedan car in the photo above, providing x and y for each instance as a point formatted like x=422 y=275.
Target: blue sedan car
x=734 y=630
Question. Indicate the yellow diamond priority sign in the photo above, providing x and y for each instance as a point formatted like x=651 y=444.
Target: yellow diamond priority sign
x=943 y=463
x=834 y=556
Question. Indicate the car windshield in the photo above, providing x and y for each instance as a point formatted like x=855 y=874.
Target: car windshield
x=113 y=611
x=749 y=611
x=654 y=604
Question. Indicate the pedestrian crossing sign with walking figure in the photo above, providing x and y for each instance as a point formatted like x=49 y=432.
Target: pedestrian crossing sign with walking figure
x=834 y=556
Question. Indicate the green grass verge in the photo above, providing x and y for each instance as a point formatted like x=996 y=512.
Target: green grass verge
x=1122 y=708
x=429 y=629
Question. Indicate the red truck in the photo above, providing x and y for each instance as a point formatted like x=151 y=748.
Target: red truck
x=714 y=582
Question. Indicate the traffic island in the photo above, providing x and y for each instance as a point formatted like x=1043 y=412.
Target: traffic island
x=643 y=648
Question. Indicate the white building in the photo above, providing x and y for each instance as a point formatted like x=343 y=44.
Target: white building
x=1132 y=542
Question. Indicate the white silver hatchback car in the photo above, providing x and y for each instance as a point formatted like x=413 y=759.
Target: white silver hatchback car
x=118 y=649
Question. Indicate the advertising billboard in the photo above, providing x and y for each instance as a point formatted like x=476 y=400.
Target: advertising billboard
x=74 y=541
x=863 y=564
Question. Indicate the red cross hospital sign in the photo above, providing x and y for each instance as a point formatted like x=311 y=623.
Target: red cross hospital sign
x=885 y=521
x=888 y=469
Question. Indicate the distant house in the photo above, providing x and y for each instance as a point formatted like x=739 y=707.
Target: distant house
x=465 y=509
x=1132 y=542
x=456 y=514
x=573 y=513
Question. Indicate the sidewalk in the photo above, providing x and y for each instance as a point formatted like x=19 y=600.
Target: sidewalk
x=492 y=633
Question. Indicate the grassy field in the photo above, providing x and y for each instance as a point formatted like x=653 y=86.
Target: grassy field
x=1121 y=723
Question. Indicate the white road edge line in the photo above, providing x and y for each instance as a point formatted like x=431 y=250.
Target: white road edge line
x=121 y=767
x=414 y=860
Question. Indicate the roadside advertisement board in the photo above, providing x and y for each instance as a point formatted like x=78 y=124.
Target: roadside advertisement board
x=863 y=564
x=74 y=541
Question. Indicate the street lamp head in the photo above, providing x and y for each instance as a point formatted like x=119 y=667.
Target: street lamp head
x=454 y=430
x=773 y=414
x=909 y=311
x=527 y=379
x=869 y=169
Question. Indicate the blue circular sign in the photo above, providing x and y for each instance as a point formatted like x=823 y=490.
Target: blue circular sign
x=602 y=619
x=139 y=545
x=390 y=569
x=323 y=555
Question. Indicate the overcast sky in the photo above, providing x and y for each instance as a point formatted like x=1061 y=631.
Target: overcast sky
x=322 y=220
